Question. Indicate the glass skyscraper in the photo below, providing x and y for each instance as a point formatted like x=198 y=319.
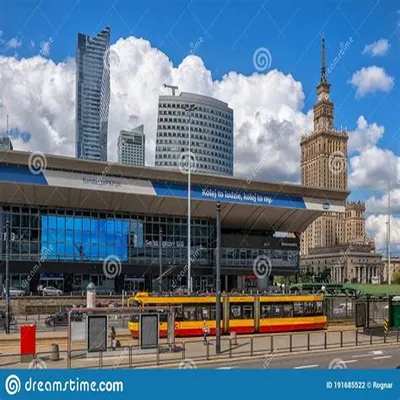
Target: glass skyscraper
x=211 y=133
x=92 y=95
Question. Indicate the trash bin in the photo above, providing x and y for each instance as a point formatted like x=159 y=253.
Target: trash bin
x=55 y=352
x=233 y=338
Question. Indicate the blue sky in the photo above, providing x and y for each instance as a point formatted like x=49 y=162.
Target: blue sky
x=228 y=33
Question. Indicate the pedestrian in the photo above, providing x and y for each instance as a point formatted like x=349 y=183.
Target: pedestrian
x=113 y=336
x=206 y=331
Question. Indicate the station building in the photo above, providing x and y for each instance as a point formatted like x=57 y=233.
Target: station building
x=73 y=221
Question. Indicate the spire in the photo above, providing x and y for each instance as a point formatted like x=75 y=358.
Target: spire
x=323 y=71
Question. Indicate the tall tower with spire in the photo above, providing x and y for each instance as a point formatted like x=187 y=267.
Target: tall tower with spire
x=324 y=165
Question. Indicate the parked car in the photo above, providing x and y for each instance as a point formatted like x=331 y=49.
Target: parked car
x=343 y=310
x=60 y=318
x=51 y=291
x=14 y=292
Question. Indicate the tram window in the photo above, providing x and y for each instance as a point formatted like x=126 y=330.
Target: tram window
x=134 y=318
x=189 y=313
x=236 y=312
x=163 y=317
x=318 y=310
x=214 y=313
x=308 y=308
x=288 y=310
x=179 y=313
x=298 y=309
x=248 y=312
x=277 y=310
x=203 y=313
x=266 y=311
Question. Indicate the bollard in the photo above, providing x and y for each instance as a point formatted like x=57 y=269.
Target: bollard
x=208 y=351
x=397 y=335
x=183 y=351
x=290 y=343
x=308 y=341
x=272 y=344
x=130 y=356
x=55 y=353
x=158 y=355
x=230 y=348
x=341 y=338
x=370 y=336
x=325 y=341
x=356 y=337
x=100 y=360
x=69 y=359
x=251 y=346
x=384 y=337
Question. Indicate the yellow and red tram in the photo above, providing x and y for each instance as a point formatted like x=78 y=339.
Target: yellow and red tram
x=240 y=313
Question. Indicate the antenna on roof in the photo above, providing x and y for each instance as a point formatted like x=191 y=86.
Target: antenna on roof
x=7 y=125
x=173 y=88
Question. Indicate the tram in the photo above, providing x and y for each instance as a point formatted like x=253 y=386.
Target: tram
x=239 y=313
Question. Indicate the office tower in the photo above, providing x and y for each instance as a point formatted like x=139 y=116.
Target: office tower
x=5 y=143
x=131 y=147
x=211 y=133
x=92 y=95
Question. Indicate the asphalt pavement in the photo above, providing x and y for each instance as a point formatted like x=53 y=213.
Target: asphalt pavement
x=379 y=357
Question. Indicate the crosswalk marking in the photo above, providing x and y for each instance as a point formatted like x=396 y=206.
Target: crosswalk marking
x=306 y=366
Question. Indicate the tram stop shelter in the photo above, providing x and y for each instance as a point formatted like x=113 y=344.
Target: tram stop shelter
x=375 y=306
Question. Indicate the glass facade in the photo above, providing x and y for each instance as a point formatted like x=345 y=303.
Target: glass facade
x=92 y=95
x=68 y=235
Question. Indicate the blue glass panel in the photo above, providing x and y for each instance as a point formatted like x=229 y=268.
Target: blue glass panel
x=69 y=223
x=94 y=223
x=52 y=221
x=86 y=224
x=44 y=222
x=61 y=222
x=77 y=223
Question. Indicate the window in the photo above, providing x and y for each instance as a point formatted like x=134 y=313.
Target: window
x=203 y=313
x=266 y=311
x=288 y=310
x=277 y=310
x=189 y=312
x=308 y=308
x=236 y=312
x=318 y=310
x=248 y=312
x=298 y=309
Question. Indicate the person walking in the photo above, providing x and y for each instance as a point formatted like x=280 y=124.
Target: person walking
x=206 y=331
x=113 y=337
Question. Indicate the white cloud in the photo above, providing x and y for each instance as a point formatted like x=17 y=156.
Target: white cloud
x=45 y=47
x=376 y=228
x=373 y=169
x=14 y=43
x=31 y=44
x=268 y=119
x=370 y=80
x=365 y=135
x=378 y=48
x=379 y=204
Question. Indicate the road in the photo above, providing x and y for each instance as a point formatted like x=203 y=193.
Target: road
x=367 y=358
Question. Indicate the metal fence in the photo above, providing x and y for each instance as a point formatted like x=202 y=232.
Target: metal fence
x=183 y=354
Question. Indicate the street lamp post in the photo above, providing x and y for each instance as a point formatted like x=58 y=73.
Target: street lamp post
x=160 y=257
x=7 y=276
x=189 y=110
x=218 y=284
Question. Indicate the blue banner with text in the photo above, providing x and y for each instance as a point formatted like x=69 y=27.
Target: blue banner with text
x=200 y=384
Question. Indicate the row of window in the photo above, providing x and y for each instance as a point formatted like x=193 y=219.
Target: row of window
x=190 y=312
x=198 y=108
